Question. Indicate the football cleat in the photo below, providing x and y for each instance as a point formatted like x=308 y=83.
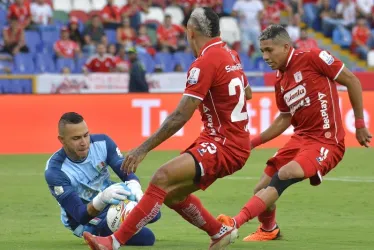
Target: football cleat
x=226 y=220
x=99 y=243
x=262 y=235
x=225 y=237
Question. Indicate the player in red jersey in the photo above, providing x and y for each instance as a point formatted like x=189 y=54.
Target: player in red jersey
x=217 y=86
x=307 y=98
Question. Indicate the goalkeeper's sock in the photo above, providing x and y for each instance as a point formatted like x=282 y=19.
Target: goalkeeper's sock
x=254 y=207
x=267 y=219
x=144 y=212
x=193 y=211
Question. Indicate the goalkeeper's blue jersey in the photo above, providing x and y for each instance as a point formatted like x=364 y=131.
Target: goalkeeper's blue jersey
x=74 y=183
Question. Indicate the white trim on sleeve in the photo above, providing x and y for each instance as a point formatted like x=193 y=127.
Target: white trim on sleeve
x=198 y=97
x=339 y=72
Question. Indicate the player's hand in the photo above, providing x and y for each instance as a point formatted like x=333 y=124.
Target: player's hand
x=114 y=194
x=132 y=160
x=135 y=188
x=363 y=136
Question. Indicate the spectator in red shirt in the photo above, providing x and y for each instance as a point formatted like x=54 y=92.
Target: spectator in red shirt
x=143 y=42
x=21 y=10
x=132 y=10
x=111 y=15
x=65 y=47
x=122 y=65
x=305 y=42
x=101 y=62
x=14 y=38
x=168 y=35
x=125 y=34
x=361 y=37
x=272 y=12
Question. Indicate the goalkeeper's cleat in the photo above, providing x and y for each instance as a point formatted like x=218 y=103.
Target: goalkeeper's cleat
x=100 y=243
x=226 y=220
x=226 y=236
x=262 y=235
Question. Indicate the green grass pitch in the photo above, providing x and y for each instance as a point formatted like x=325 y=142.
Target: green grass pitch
x=339 y=214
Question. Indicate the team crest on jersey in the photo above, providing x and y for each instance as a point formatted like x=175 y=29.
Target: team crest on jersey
x=326 y=57
x=193 y=75
x=101 y=166
x=298 y=77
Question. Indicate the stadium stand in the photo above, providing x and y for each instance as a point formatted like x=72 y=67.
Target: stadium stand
x=41 y=39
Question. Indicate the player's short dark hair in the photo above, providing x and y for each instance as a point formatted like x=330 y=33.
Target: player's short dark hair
x=275 y=32
x=69 y=118
x=206 y=21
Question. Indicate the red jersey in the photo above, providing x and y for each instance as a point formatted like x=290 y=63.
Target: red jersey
x=111 y=12
x=13 y=37
x=217 y=79
x=143 y=39
x=307 y=90
x=20 y=12
x=360 y=34
x=171 y=34
x=131 y=10
x=124 y=65
x=272 y=14
x=309 y=43
x=100 y=64
x=66 y=47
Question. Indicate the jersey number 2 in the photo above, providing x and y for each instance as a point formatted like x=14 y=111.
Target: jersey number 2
x=237 y=115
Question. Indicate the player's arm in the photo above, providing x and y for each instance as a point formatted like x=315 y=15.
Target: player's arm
x=115 y=159
x=334 y=69
x=174 y=122
x=60 y=187
x=248 y=92
x=280 y=124
x=348 y=79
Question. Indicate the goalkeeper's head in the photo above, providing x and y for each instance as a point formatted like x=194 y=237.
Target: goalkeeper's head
x=74 y=136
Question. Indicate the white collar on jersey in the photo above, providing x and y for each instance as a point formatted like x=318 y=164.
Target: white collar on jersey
x=216 y=43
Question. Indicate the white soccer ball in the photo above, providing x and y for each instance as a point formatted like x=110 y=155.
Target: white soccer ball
x=118 y=213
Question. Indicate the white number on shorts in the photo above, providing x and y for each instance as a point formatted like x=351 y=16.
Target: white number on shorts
x=212 y=149
x=237 y=114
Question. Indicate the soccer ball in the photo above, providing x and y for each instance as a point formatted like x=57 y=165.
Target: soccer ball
x=118 y=213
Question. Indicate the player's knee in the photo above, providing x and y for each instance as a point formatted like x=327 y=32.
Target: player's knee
x=282 y=184
x=291 y=171
x=160 y=178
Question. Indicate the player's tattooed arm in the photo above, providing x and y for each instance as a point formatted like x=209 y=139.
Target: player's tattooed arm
x=174 y=122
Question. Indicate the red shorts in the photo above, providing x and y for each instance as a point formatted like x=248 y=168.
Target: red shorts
x=214 y=160
x=315 y=158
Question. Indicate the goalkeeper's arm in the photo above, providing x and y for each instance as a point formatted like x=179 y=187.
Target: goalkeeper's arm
x=61 y=188
x=280 y=124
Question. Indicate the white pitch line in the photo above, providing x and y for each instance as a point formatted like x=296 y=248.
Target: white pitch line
x=356 y=179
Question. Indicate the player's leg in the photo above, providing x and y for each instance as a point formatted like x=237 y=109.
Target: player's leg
x=145 y=237
x=289 y=174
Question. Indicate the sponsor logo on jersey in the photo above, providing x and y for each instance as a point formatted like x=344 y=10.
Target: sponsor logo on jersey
x=326 y=57
x=119 y=153
x=209 y=117
x=230 y=68
x=193 y=75
x=294 y=95
x=101 y=166
x=298 y=77
x=59 y=190
x=324 y=113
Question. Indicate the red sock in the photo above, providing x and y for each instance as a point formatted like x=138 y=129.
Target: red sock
x=193 y=211
x=267 y=219
x=144 y=212
x=254 y=207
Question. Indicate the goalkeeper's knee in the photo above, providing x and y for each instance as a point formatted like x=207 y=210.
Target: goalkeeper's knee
x=281 y=185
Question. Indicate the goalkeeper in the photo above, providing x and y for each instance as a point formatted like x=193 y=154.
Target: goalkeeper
x=78 y=177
